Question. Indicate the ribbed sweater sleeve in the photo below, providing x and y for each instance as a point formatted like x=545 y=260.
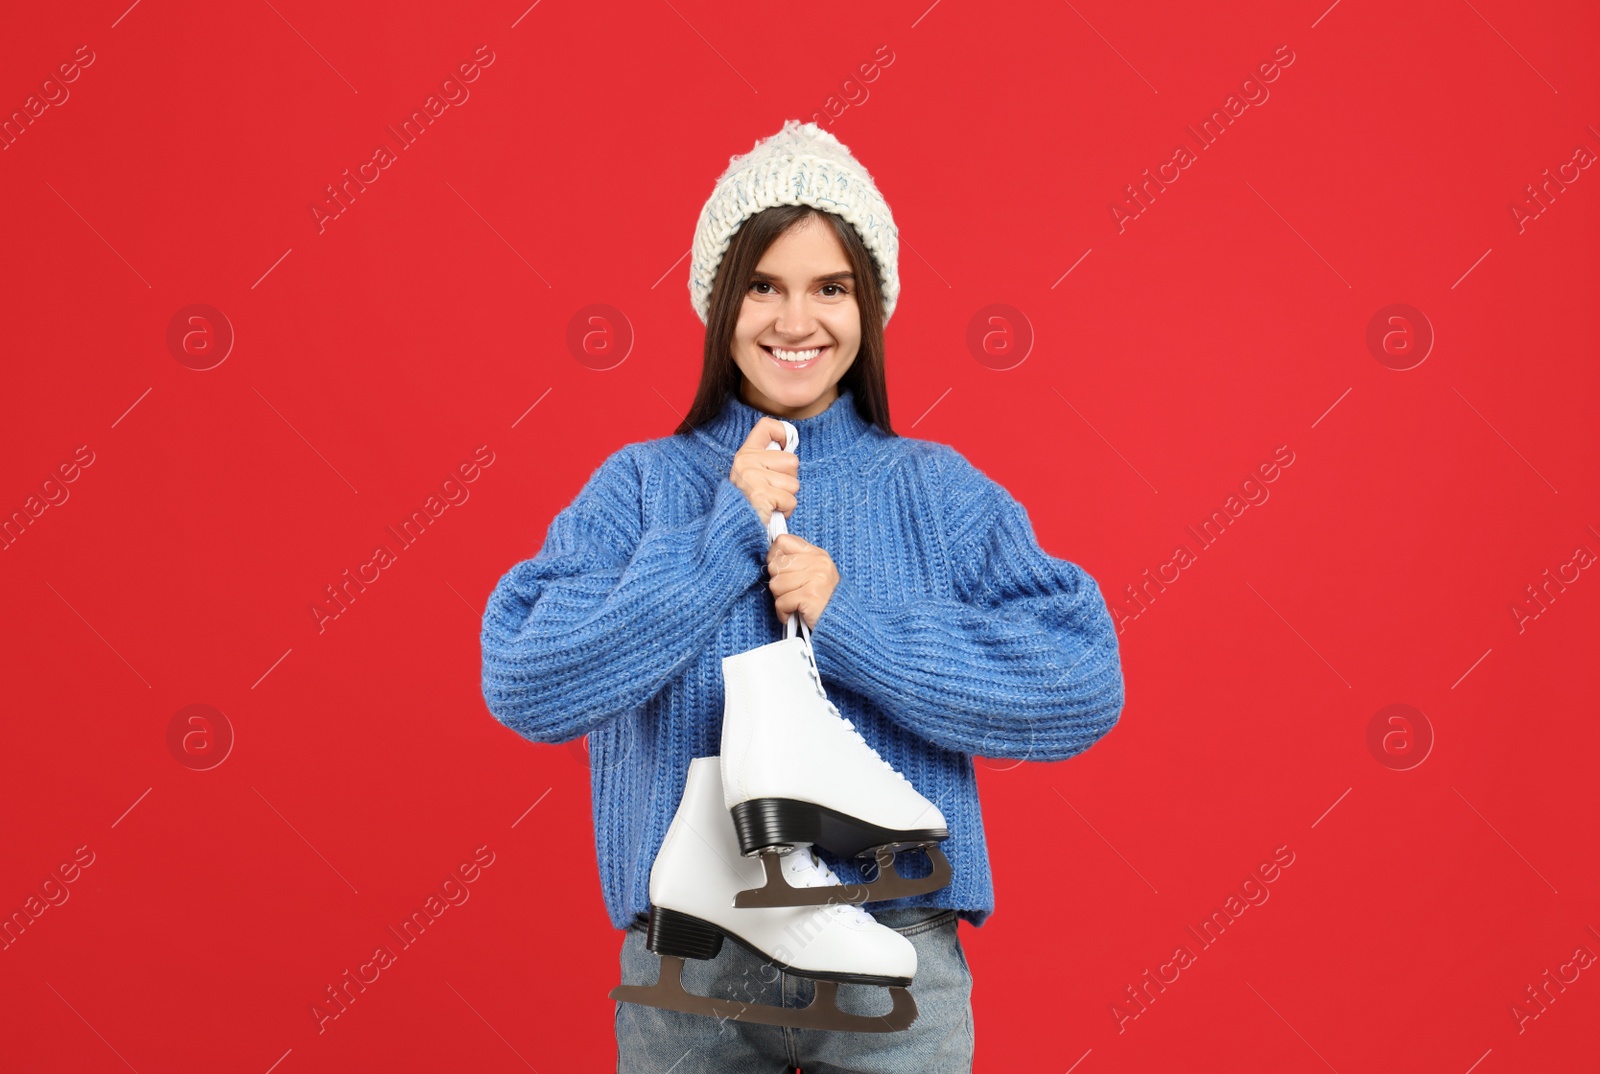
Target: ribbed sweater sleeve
x=1021 y=662
x=608 y=611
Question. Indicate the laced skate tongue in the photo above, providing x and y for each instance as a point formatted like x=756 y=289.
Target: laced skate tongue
x=803 y=869
x=816 y=678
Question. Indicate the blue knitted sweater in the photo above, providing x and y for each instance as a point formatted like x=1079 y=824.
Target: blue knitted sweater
x=950 y=633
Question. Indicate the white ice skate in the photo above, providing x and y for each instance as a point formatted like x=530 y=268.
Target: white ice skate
x=692 y=884
x=796 y=772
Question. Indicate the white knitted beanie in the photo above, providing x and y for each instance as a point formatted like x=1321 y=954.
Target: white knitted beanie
x=802 y=164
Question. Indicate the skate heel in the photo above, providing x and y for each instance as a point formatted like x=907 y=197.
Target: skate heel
x=672 y=933
x=775 y=822
x=763 y=823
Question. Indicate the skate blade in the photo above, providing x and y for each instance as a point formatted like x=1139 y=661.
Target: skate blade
x=777 y=891
x=822 y=1012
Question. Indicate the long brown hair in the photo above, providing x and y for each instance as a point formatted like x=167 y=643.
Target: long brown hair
x=720 y=376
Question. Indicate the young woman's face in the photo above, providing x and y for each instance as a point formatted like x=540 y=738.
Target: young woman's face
x=801 y=303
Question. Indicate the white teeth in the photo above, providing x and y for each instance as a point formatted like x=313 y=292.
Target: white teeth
x=795 y=356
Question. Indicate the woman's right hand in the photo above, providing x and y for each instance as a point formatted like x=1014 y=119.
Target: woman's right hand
x=769 y=479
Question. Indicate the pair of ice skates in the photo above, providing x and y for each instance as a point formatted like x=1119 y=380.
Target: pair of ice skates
x=737 y=864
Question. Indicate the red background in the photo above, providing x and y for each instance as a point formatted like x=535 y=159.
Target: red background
x=372 y=357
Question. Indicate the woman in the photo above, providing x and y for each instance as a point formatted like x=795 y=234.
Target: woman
x=941 y=629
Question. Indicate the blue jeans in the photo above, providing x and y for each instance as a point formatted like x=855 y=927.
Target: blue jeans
x=654 y=1041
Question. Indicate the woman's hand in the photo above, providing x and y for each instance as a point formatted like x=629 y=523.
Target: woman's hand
x=769 y=479
x=803 y=577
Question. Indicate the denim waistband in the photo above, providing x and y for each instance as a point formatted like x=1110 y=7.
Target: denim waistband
x=900 y=920
x=916 y=918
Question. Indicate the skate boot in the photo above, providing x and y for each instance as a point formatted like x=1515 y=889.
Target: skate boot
x=796 y=772
x=692 y=884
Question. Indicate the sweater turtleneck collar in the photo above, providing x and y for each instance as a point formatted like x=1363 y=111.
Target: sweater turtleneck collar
x=830 y=433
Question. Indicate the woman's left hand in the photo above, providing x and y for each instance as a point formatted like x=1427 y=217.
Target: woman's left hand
x=802 y=576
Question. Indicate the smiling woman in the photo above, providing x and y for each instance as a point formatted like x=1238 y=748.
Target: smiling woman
x=941 y=630
x=811 y=282
x=799 y=327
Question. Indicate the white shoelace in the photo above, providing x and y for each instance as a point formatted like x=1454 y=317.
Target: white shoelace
x=816 y=677
x=796 y=626
x=804 y=869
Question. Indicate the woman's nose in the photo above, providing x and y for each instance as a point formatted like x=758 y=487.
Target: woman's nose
x=795 y=318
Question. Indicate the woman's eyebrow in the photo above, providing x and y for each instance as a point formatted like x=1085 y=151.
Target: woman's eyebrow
x=845 y=275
